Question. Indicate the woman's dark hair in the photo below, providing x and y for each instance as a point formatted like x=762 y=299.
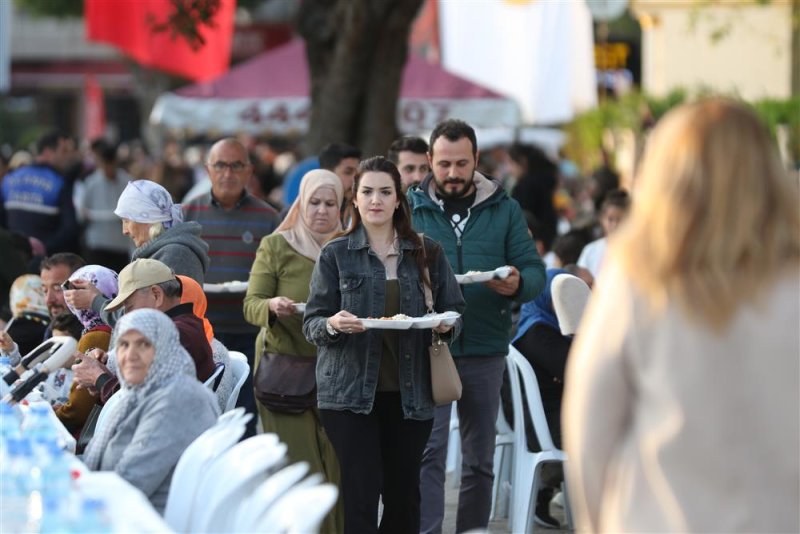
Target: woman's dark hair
x=401 y=219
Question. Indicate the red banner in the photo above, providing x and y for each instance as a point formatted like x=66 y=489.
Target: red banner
x=133 y=27
x=95 y=109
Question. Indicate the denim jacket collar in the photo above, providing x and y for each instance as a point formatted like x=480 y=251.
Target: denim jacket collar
x=358 y=240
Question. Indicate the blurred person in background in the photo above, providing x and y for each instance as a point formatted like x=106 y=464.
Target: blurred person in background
x=685 y=368
x=161 y=410
x=410 y=155
x=536 y=181
x=172 y=172
x=613 y=210
x=233 y=224
x=280 y=278
x=103 y=242
x=37 y=198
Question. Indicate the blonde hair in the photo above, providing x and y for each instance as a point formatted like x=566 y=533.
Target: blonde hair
x=715 y=217
x=155 y=230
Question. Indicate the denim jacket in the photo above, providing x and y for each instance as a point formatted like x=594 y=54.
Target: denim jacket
x=349 y=276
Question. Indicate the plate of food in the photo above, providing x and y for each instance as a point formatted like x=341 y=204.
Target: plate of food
x=234 y=286
x=432 y=320
x=395 y=322
x=474 y=277
x=299 y=307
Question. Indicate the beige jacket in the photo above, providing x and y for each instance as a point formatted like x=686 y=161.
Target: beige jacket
x=670 y=428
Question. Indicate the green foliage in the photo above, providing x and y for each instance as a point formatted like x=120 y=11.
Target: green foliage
x=52 y=8
x=637 y=112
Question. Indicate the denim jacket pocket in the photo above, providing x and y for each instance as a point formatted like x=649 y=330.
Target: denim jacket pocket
x=349 y=285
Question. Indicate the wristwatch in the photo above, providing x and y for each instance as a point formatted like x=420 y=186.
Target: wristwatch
x=331 y=330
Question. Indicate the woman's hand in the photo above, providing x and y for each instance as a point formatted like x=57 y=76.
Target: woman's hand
x=281 y=306
x=6 y=343
x=442 y=328
x=346 y=322
x=81 y=298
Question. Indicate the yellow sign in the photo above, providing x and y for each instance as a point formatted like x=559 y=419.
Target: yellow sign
x=611 y=56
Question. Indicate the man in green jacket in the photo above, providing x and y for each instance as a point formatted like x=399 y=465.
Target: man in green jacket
x=480 y=229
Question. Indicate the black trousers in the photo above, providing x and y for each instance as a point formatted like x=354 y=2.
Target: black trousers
x=379 y=456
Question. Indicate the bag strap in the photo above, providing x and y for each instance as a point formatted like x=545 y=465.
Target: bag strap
x=425 y=286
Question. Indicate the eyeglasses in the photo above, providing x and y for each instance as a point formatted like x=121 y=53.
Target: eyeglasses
x=236 y=166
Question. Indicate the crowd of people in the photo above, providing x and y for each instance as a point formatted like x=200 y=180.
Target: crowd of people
x=682 y=367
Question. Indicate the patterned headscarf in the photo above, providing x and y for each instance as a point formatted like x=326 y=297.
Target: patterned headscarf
x=171 y=362
x=27 y=296
x=144 y=201
x=103 y=279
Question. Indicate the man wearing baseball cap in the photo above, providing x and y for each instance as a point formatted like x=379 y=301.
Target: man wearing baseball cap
x=148 y=283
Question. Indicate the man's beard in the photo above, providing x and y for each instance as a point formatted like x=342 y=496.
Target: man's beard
x=443 y=192
x=56 y=310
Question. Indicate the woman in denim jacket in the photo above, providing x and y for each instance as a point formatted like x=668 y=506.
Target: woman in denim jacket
x=374 y=386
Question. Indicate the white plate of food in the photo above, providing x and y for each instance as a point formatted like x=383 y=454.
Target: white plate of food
x=234 y=286
x=435 y=319
x=396 y=322
x=474 y=277
x=299 y=307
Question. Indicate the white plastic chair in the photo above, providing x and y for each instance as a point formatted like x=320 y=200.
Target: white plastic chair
x=503 y=463
x=453 y=462
x=240 y=369
x=255 y=506
x=234 y=475
x=525 y=478
x=570 y=296
x=218 y=370
x=301 y=510
x=194 y=463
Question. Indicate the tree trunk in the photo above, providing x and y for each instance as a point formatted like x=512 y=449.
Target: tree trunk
x=356 y=52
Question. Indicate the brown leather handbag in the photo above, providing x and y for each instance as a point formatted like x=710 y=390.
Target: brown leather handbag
x=286 y=384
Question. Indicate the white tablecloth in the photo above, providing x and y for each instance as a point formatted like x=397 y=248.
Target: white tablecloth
x=126 y=506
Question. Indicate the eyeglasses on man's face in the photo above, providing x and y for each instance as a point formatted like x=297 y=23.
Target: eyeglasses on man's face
x=235 y=166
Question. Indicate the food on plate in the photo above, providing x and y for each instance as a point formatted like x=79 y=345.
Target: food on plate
x=398 y=317
x=473 y=272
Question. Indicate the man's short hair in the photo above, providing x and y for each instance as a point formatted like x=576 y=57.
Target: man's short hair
x=407 y=143
x=332 y=154
x=171 y=288
x=49 y=140
x=453 y=130
x=73 y=261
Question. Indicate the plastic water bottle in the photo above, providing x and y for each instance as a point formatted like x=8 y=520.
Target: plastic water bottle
x=56 y=492
x=39 y=427
x=15 y=486
x=5 y=367
x=93 y=517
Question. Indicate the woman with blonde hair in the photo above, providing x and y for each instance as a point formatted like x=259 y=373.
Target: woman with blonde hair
x=682 y=405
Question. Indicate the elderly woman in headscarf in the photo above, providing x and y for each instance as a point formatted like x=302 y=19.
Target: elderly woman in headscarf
x=285 y=361
x=96 y=335
x=156 y=227
x=25 y=331
x=162 y=407
x=194 y=294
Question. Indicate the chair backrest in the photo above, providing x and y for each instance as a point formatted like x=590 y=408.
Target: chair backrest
x=301 y=510
x=102 y=418
x=194 y=463
x=570 y=295
x=210 y=382
x=240 y=369
x=255 y=506
x=232 y=477
x=518 y=367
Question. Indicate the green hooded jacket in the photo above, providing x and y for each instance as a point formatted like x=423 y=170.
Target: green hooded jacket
x=495 y=234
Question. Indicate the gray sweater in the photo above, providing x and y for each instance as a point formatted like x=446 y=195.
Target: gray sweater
x=149 y=442
x=181 y=249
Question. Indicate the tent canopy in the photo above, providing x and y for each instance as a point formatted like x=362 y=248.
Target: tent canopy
x=270 y=94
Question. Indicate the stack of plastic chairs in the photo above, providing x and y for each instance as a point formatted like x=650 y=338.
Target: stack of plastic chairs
x=220 y=485
x=240 y=369
x=503 y=464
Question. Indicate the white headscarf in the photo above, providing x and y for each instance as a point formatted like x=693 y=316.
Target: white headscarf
x=294 y=229
x=171 y=361
x=144 y=201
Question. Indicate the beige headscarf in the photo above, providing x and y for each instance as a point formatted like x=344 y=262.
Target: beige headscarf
x=294 y=228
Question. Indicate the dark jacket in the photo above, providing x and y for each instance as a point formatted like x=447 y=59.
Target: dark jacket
x=349 y=276
x=180 y=248
x=37 y=202
x=495 y=235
